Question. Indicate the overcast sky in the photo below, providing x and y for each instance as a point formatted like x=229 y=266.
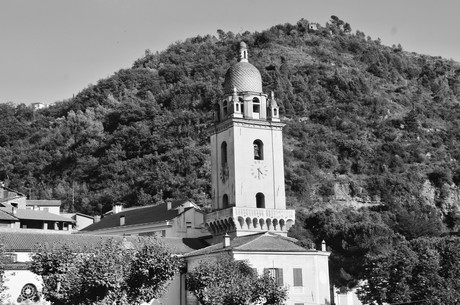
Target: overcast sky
x=52 y=49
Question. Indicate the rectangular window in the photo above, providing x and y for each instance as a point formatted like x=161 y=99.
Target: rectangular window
x=11 y=258
x=276 y=273
x=298 y=277
x=298 y=304
x=255 y=108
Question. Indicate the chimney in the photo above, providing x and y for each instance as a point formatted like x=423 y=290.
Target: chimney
x=117 y=208
x=96 y=218
x=122 y=220
x=323 y=246
x=226 y=240
x=168 y=205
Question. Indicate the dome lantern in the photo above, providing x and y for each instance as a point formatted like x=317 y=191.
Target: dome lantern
x=243 y=76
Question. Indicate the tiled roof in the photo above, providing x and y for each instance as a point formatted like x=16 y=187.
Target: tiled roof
x=7 y=217
x=5 y=188
x=244 y=77
x=138 y=215
x=71 y=215
x=28 y=242
x=43 y=203
x=260 y=242
x=36 y=215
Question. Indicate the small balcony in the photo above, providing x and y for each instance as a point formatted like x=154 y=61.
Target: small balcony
x=242 y=219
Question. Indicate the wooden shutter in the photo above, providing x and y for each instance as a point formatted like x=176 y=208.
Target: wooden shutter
x=266 y=271
x=298 y=277
x=279 y=276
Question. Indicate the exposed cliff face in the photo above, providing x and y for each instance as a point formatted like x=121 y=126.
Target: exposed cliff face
x=345 y=194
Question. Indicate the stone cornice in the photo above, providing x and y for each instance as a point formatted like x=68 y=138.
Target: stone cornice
x=251 y=123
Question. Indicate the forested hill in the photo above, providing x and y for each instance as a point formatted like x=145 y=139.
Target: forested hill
x=367 y=124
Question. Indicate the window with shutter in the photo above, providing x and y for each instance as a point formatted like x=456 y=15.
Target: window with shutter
x=297 y=277
x=276 y=274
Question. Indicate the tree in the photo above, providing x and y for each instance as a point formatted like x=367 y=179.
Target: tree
x=351 y=235
x=422 y=271
x=112 y=271
x=229 y=282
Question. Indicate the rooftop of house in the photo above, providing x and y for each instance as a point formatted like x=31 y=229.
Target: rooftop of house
x=29 y=242
x=31 y=215
x=141 y=215
x=72 y=215
x=7 y=216
x=6 y=192
x=43 y=203
x=259 y=242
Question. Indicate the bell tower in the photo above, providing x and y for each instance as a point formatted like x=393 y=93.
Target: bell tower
x=248 y=194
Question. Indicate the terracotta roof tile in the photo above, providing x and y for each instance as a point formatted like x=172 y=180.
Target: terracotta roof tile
x=138 y=215
x=260 y=242
x=36 y=215
x=43 y=203
x=28 y=242
x=6 y=216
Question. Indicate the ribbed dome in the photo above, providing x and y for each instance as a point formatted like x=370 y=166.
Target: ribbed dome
x=244 y=77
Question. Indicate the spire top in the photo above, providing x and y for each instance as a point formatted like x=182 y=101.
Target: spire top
x=243 y=52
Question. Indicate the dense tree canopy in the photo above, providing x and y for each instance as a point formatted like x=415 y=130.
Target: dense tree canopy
x=223 y=280
x=424 y=271
x=114 y=271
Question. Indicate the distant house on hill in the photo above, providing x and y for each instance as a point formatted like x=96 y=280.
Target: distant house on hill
x=36 y=106
x=313 y=26
x=180 y=218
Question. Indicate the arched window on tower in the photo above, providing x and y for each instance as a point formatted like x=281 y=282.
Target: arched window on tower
x=217 y=113
x=225 y=106
x=223 y=153
x=258 y=150
x=260 y=201
x=225 y=201
x=255 y=105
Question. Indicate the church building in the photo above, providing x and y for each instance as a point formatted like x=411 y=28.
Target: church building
x=249 y=219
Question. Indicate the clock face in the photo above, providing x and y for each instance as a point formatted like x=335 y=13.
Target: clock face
x=224 y=173
x=259 y=170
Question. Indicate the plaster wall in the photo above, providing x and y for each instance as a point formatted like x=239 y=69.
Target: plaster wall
x=16 y=279
x=247 y=176
x=315 y=273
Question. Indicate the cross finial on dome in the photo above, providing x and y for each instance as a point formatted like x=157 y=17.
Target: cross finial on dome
x=272 y=100
x=243 y=52
x=235 y=95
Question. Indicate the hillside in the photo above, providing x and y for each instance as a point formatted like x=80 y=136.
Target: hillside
x=366 y=122
x=368 y=126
